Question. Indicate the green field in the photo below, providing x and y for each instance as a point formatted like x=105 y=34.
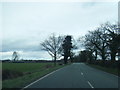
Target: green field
x=25 y=67
x=30 y=72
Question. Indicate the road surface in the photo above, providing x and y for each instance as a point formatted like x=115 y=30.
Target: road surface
x=76 y=75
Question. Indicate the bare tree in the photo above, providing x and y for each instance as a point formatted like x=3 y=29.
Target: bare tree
x=104 y=40
x=53 y=45
x=96 y=40
x=113 y=39
x=15 y=56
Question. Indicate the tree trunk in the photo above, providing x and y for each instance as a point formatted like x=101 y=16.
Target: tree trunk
x=119 y=56
x=103 y=57
x=71 y=58
x=95 y=55
x=65 y=59
x=113 y=56
x=55 y=60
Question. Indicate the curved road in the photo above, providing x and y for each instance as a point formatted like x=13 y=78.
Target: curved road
x=76 y=75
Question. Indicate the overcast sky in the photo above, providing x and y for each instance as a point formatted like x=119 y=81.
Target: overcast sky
x=25 y=25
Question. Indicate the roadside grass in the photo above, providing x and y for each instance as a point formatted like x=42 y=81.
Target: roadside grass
x=109 y=70
x=38 y=70
x=14 y=70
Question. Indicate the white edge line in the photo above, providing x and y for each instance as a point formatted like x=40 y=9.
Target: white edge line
x=40 y=79
x=90 y=84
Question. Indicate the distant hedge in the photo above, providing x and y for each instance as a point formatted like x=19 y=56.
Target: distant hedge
x=106 y=63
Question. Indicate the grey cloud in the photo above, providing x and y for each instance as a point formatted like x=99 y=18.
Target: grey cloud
x=20 y=45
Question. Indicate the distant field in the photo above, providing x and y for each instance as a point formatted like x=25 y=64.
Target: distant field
x=19 y=75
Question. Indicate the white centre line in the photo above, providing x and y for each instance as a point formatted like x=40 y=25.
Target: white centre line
x=81 y=73
x=90 y=84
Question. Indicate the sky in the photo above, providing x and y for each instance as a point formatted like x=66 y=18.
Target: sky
x=24 y=25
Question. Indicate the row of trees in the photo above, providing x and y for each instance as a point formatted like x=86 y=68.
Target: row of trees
x=103 y=42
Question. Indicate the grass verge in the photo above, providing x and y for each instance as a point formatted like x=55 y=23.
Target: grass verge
x=28 y=78
x=109 y=70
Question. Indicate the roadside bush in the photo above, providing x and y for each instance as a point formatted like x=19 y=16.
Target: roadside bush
x=9 y=74
x=107 y=63
x=48 y=66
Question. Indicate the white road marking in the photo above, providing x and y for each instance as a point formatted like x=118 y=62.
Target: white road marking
x=81 y=73
x=90 y=84
x=41 y=78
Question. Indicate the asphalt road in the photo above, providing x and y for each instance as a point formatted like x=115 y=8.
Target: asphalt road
x=76 y=75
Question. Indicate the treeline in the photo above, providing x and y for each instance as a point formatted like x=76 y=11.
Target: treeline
x=102 y=46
